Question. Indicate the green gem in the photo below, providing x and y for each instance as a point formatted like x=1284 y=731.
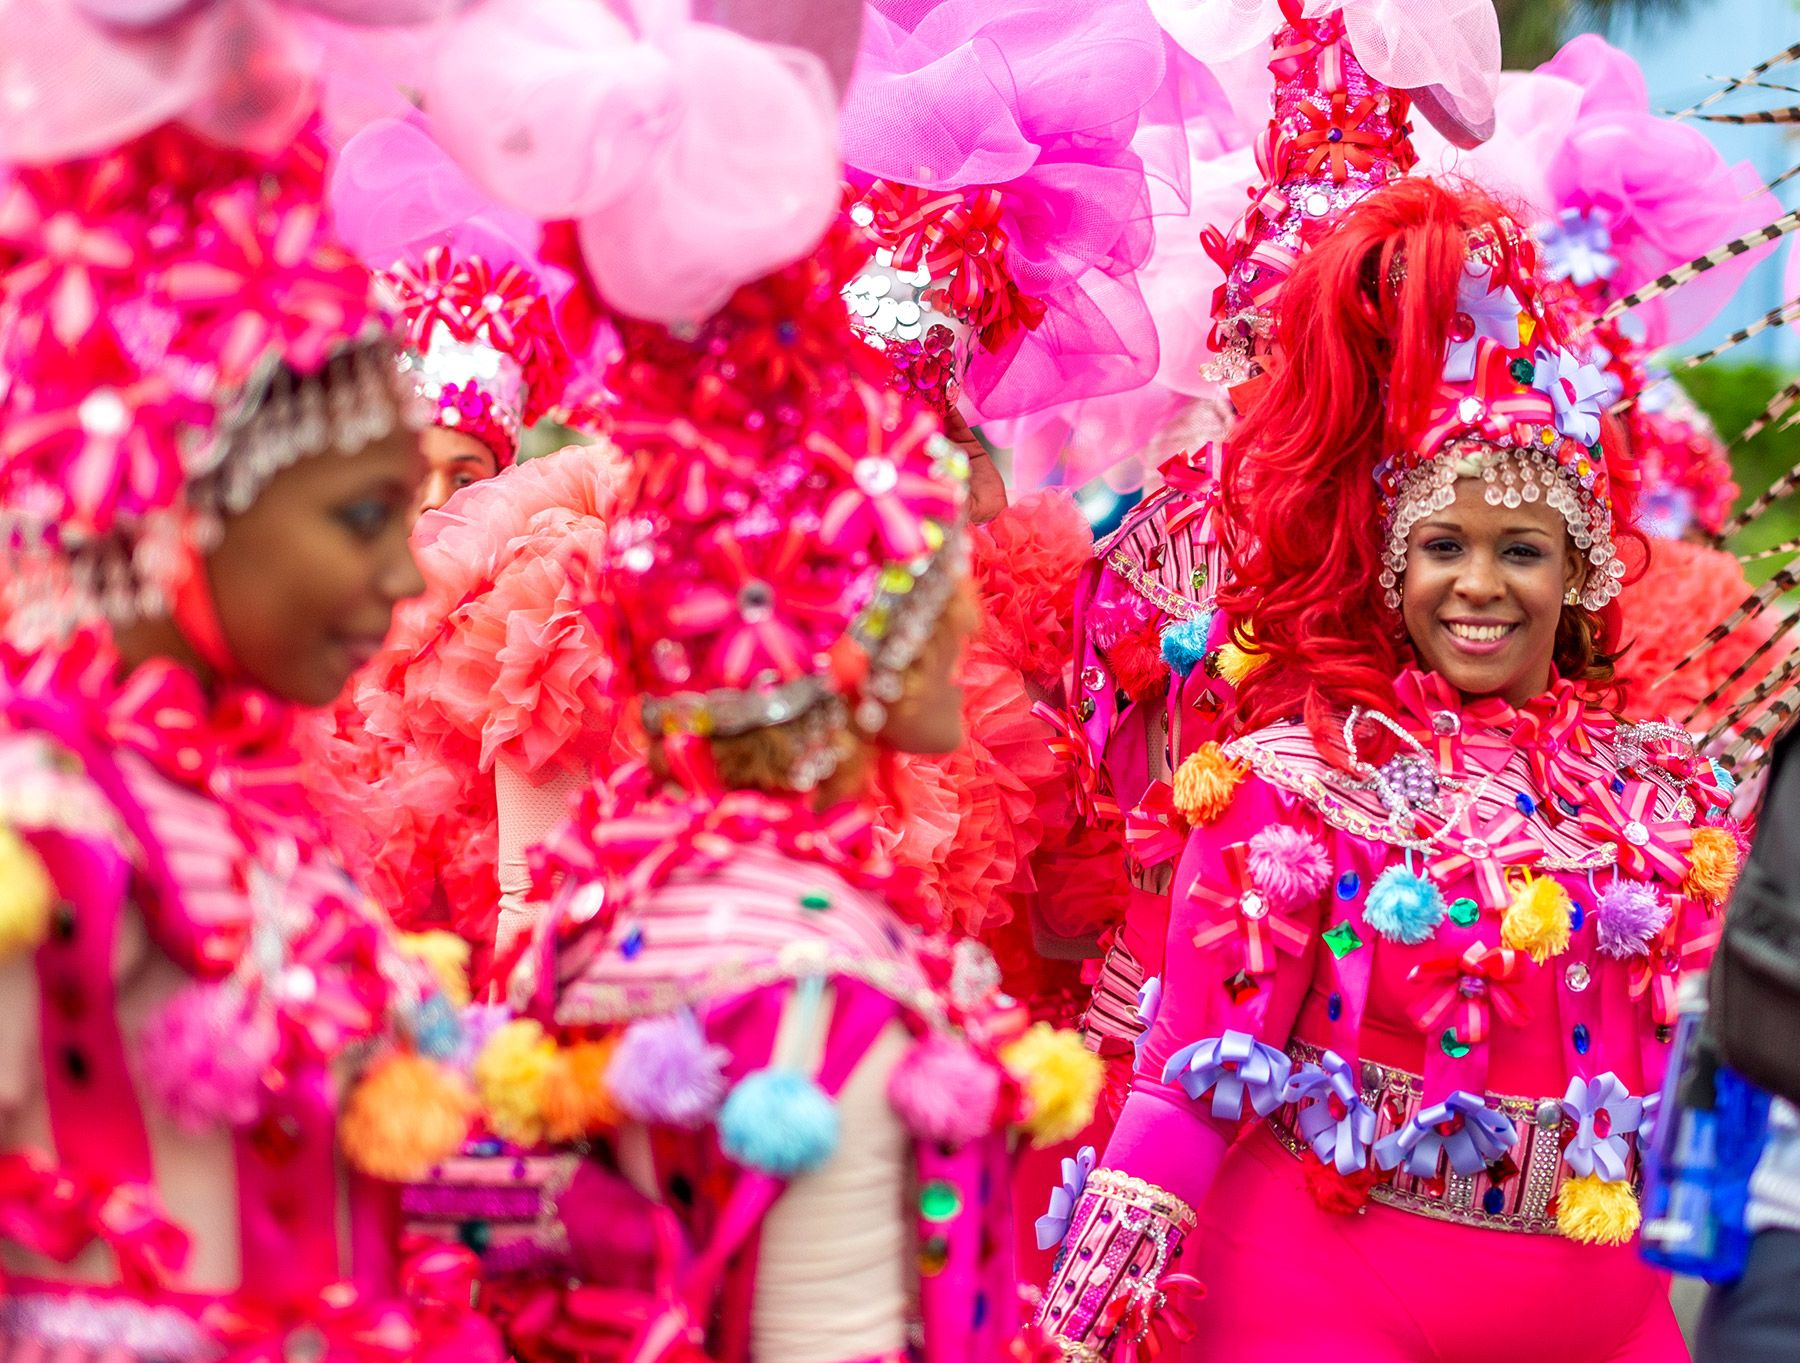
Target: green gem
x=1523 y=371
x=939 y=1201
x=1594 y=450
x=815 y=900
x=1464 y=912
x=1342 y=939
x=1198 y=578
x=1455 y=1048
x=475 y=1235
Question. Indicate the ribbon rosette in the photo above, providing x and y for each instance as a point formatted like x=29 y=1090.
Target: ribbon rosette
x=1232 y=1067
x=1053 y=1225
x=1338 y=138
x=1149 y=1004
x=885 y=498
x=62 y=261
x=1462 y=1127
x=1577 y=392
x=340 y=1326
x=1069 y=743
x=1604 y=1113
x=1578 y=247
x=1482 y=312
x=1247 y=911
x=1648 y=847
x=1155 y=832
x=1485 y=853
x=1459 y=991
x=1333 y=1118
x=1148 y=1322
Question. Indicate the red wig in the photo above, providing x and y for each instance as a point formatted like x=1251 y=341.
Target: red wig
x=1364 y=322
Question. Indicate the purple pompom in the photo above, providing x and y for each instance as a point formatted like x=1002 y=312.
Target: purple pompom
x=665 y=1072
x=1628 y=914
x=203 y=1056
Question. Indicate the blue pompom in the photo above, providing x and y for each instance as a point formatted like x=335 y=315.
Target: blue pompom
x=436 y=1029
x=778 y=1121
x=1404 y=907
x=1184 y=643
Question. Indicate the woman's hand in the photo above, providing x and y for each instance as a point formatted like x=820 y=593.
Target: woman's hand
x=987 y=489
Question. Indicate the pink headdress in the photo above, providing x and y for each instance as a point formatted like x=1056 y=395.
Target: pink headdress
x=476 y=302
x=1518 y=410
x=1686 y=471
x=689 y=157
x=1001 y=156
x=175 y=328
x=791 y=531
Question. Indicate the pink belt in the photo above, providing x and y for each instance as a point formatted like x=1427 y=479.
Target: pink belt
x=1517 y=1192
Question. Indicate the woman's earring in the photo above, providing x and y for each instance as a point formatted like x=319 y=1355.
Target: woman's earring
x=1572 y=597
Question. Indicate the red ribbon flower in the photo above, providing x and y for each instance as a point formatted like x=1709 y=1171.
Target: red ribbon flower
x=1150 y=1323
x=1458 y=991
x=1337 y=137
x=1155 y=831
x=339 y=1326
x=1248 y=911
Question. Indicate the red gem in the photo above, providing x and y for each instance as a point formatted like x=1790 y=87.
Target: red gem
x=1432 y=1187
x=276 y=1139
x=1462 y=327
x=1337 y=1108
x=1241 y=986
x=1503 y=1168
x=1450 y=1127
x=1603 y=1123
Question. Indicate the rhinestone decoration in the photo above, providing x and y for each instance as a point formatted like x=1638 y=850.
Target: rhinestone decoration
x=1452 y=1045
x=1636 y=834
x=1348 y=884
x=1582 y=1038
x=1252 y=906
x=1577 y=977
x=1464 y=912
x=1342 y=939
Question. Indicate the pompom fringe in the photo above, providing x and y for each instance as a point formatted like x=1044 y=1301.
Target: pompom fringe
x=1205 y=783
x=1627 y=914
x=1234 y=663
x=203 y=1055
x=1712 y=864
x=1183 y=643
x=1537 y=920
x=1060 y=1079
x=26 y=894
x=1288 y=865
x=406 y=1115
x=1137 y=663
x=1404 y=907
x=779 y=1121
x=665 y=1072
x=447 y=956
x=510 y=1076
x=1595 y=1212
x=945 y=1092
x=578 y=1102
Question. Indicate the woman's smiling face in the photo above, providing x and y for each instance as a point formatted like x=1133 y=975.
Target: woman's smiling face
x=1483 y=592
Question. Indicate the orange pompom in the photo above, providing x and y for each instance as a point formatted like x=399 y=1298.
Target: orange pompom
x=405 y=1115
x=577 y=1101
x=1712 y=864
x=1205 y=783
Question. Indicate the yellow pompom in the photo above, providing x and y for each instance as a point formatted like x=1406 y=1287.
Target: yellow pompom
x=511 y=1074
x=1234 y=663
x=1595 y=1212
x=1060 y=1078
x=26 y=894
x=1205 y=783
x=406 y=1115
x=448 y=957
x=577 y=1100
x=1712 y=864
x=1537 y=920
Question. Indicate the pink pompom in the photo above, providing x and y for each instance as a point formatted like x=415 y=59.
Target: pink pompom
x=1288 y=866
x=945 y=1092
x=204 y=1054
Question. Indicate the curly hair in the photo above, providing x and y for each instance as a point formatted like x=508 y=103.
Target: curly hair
x=1364 y=321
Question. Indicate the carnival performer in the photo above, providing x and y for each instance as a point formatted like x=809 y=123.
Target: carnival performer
x=216 y=1057
x=1430 y=916
x=810 y=1086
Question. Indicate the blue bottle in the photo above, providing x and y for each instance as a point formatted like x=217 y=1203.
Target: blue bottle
x=1710 y=1132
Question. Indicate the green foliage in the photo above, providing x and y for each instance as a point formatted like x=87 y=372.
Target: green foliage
x=1733 y=395
x=1532 y=30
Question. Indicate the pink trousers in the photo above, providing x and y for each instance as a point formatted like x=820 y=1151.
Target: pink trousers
x=1288 y=1281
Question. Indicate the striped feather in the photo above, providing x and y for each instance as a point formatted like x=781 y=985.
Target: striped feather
x=1762 y=67
x=1773 y=551
x=1774 y=493
x=1751 y=749
x=1751 y=605
x=1680 y=275
x=1742 y=670
x=1783 y=676
x=1774 y=317
x=1755 y=116
x=1777 y=408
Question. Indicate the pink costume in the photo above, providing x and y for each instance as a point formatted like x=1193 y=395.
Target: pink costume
x=810 y=1162
x=1412 y=1001
x=211 y=1041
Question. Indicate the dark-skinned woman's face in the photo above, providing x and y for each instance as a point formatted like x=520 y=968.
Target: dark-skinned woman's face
x=306 y=580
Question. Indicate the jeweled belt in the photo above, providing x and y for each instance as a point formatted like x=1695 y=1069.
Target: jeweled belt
x=1516 y=1192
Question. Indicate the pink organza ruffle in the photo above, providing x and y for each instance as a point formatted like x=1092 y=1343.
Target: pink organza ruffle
x=81 y=78
x=692 y=159
x=502 y=656
x=1056 y=103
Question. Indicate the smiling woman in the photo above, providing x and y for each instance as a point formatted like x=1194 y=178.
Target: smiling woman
x=1425 y=929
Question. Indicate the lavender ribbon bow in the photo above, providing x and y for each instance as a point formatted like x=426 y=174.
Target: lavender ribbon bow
x=1148 y=1006
x=1585 y=1102
x=1053 y=1225
x=1578 y=247
x=1576 y=390
x=1477 y=1136
x=1231 y=1066
x=1341 y=1141
x=1495 y=313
